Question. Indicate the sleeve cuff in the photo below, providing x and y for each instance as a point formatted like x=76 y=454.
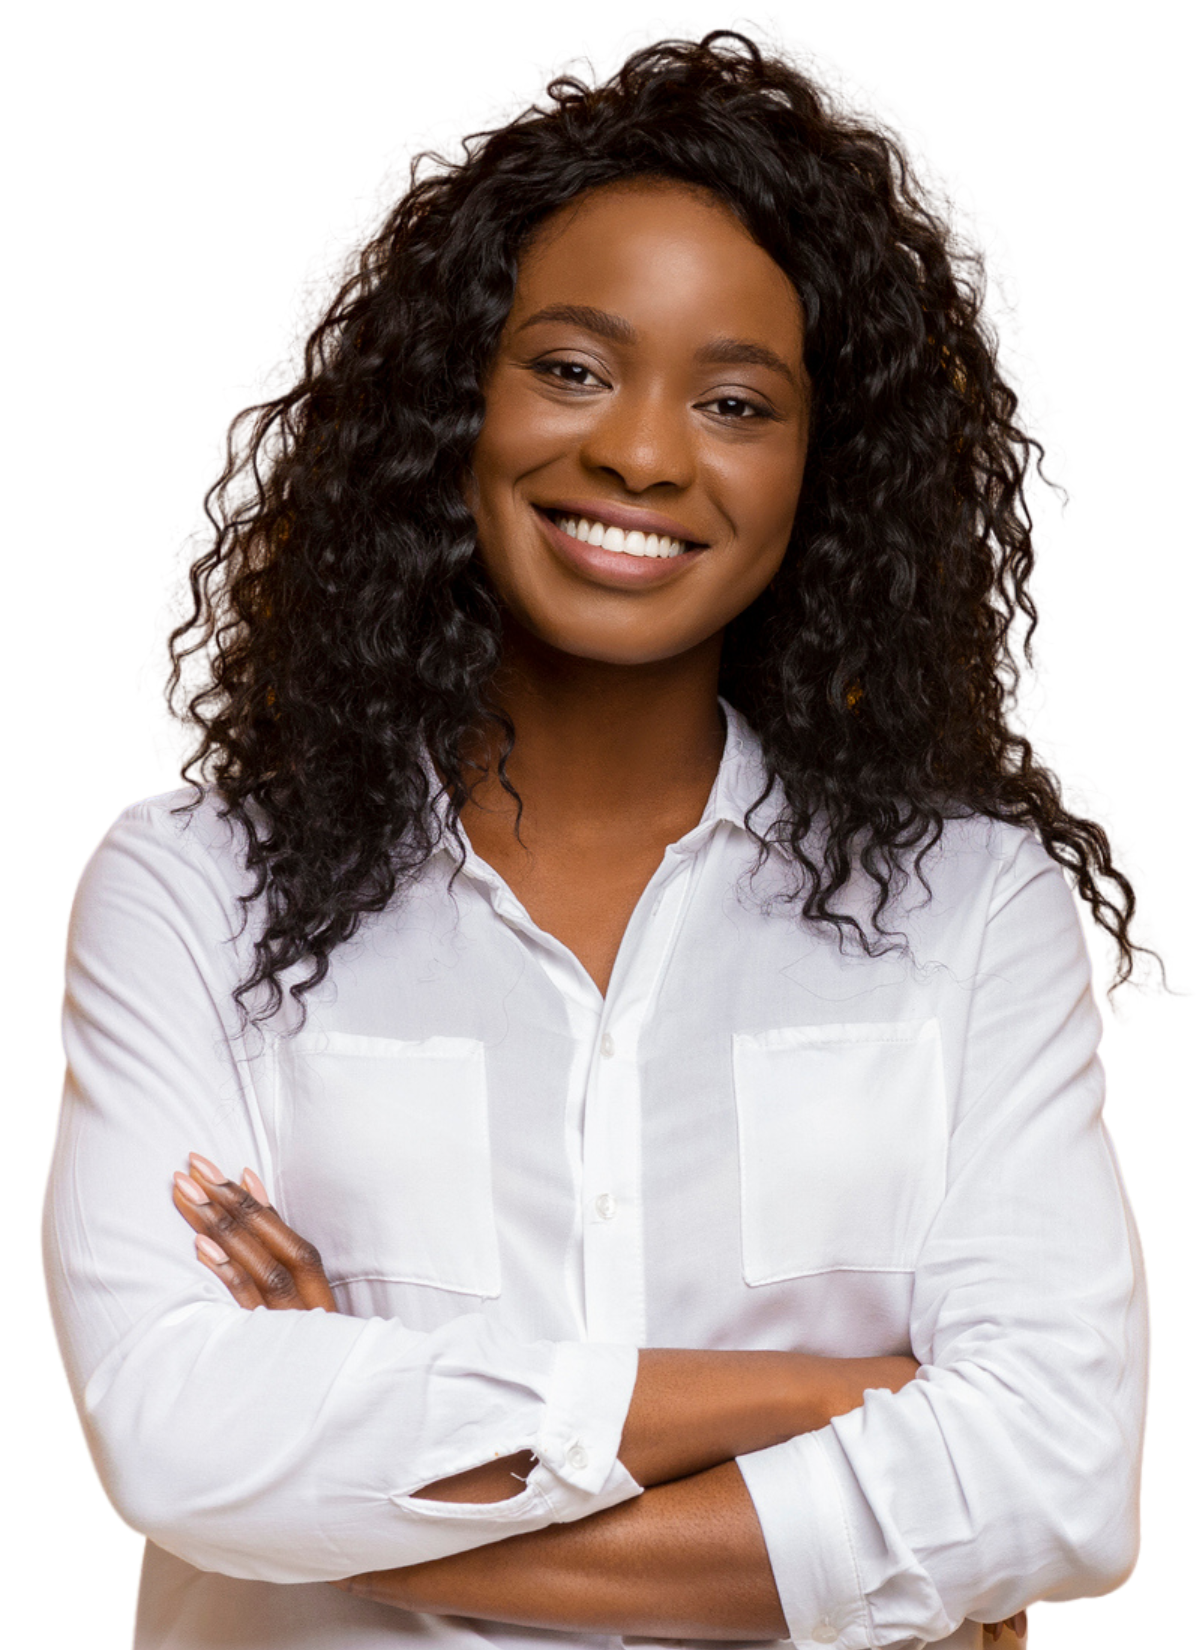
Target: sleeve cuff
x=578 y=1471
x=809 y=1541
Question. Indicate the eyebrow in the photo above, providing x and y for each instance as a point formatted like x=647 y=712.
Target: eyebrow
x=722 y=352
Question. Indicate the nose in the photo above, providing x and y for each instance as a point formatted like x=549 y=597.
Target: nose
x=643 y=442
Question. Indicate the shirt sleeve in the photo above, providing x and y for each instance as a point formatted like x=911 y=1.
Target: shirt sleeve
x=276 y=1446
x=1008 y=1470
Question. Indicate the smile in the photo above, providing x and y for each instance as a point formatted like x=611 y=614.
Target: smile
x=616 y=539
x=614 y=558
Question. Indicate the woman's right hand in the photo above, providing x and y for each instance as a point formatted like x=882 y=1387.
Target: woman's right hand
x=850 y=1380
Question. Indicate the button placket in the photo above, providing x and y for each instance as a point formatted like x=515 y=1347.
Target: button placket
x=606 y=1205
x=613 y=1257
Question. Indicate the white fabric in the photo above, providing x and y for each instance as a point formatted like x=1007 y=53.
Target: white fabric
x=756 y=1140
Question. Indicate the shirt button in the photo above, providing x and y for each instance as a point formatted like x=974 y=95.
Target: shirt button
x=606 y=1205
x=577 y=1457
x=607 y=1047
x=825 y=1633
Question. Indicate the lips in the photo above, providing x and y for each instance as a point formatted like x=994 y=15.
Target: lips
x=558 y=518
x=635 y=561
x=626 y=518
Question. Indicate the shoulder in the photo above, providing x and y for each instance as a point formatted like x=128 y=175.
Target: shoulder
x=184 y=821
x=170 y=853
x=1001 y=871
x=974 y=849
x=994 y=857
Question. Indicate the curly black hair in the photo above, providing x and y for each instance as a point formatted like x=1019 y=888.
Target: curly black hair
x=350 y=628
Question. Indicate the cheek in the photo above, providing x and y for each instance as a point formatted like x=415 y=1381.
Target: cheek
x=521 y=433
x=779 y=528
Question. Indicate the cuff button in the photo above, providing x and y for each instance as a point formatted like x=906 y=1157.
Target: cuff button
x=825 y=1633
x=577 y=1457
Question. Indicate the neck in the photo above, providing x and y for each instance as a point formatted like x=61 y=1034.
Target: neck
x=599 y=743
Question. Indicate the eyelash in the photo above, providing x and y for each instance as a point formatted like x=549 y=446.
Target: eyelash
x=554 y=369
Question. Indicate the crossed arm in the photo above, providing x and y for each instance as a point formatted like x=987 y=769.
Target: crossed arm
x=685 y=1559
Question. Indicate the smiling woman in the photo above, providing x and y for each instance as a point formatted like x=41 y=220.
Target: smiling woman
x=631 y=396
x=613 y=399
x=617 y=923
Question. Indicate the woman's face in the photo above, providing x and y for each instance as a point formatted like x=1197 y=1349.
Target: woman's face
x=648 y=389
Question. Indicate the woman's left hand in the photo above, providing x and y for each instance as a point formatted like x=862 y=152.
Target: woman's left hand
x=257 y=1256
x=242 y=1241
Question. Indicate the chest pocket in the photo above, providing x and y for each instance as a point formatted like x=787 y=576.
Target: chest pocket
x=842 y=1138
x=384 y=1158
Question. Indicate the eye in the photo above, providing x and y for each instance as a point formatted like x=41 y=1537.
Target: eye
x=738 y=401
x=756 y=411
x=573 y=367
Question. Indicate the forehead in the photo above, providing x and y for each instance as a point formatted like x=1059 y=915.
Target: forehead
x=668 y=251
x=631 y=207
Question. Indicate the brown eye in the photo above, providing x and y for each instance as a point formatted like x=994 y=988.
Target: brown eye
x=756 y=411
x=574 y=373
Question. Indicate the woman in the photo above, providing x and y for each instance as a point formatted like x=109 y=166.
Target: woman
x=619 y=917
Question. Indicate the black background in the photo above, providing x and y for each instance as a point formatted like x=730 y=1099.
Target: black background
x=208 y=175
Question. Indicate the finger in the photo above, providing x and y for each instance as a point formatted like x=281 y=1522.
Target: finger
x=207 y=1215
x=238 y=1282
x=210 y=1213
x=200 y=1212
x=250 y=1204
x=1018 y=1624
x=245 y=1259
x=291 y=1274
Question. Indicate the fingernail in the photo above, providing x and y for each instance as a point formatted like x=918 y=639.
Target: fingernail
x=189 y=1189
x=206 y=1170
x=210 y=1250
x=255 y=1186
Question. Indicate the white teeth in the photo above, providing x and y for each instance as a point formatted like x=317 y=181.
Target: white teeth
x=633 y=543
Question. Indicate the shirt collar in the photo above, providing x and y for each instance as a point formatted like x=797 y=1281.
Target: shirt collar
x=740 y=779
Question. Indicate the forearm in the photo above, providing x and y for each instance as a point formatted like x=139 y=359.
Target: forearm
x=692 y=1410
x=685 y=1560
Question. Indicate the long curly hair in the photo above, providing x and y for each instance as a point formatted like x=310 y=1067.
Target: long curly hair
x=349 y=628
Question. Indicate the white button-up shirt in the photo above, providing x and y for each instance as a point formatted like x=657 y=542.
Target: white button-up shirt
x=756 y=1139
